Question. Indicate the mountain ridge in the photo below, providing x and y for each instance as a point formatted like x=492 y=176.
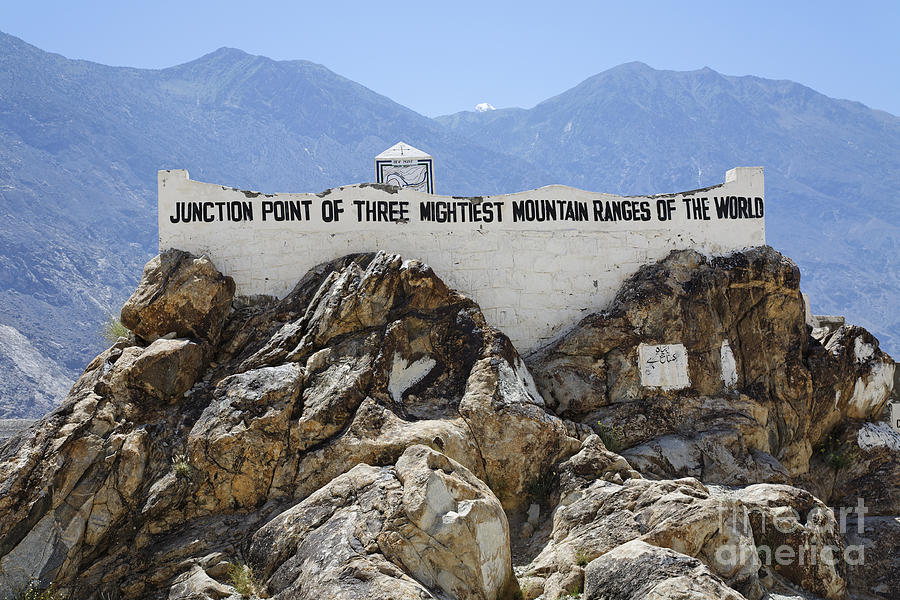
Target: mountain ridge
x=80 y=144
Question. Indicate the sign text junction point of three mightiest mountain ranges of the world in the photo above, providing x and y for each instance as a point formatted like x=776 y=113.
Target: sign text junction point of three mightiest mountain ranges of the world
x=535 y=261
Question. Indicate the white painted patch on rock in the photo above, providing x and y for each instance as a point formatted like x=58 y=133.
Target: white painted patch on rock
x=517 y=384
x=729 y=366
x=664 y=366
x=862 y=351
x=872 y=390
x=492 y=541
x=405 y=374
x=878 y=435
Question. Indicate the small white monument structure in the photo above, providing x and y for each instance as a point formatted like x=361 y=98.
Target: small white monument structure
x=403 y=166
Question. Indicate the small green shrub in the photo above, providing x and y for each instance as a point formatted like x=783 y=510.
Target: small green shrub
x=540 y=487
x=581 y=558
x=611 y=436
x=181 y=467
x=241 y=578
x=835 y=454
x=113 y=329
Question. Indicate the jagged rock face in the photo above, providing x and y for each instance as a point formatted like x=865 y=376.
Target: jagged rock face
x=760 y=393
x=859 y=461
x=365 y=530
x=371 y=436
x=875 y=575
x=179 y=293
x=186 y=442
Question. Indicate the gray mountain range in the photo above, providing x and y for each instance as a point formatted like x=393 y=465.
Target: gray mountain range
x=80 y=144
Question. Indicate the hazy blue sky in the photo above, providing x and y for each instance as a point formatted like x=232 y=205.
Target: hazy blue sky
x=441 y=57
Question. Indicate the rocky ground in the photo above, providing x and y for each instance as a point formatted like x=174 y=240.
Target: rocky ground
x=371 y=436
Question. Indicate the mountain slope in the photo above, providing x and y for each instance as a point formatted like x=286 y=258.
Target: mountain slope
x=832 y=166
x=80 y=144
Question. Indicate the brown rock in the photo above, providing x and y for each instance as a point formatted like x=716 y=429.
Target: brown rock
x=179 y=293
x=762 y=393
x=163 y=371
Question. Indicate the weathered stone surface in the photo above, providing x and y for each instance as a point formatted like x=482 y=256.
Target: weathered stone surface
x=875 y=572
x=761 y=392
x=196 y=584
x=163 y=371
x=428 y=524
x=239 y=442
x=800 y=525
x=363 y=436
x=639 y=571
x=859 y=462
x=592 y=462
x=683 y=515
x=518 y=439
x=182 y=293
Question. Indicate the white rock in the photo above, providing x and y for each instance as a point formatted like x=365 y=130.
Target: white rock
x=878 y=435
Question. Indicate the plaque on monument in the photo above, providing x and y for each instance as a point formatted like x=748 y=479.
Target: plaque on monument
x=403 y=166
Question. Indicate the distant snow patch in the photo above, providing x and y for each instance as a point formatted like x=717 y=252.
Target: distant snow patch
x=484 y=107
x=878 y=435
x=405 y=374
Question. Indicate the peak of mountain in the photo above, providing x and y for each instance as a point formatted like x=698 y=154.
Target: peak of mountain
x=832 y=166
x=80 y=145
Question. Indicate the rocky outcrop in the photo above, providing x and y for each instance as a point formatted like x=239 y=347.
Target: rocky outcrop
x=181 y=294
x=370 y=435
x=183 y=438
x=760 y=392
x=390 y=532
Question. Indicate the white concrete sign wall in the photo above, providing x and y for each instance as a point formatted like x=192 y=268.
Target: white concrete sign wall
x=535 y=261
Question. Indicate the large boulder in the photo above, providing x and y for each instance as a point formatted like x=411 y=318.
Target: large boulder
x=163 y=371
x=179 y=293
x=639 y=571
x=383 y=532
